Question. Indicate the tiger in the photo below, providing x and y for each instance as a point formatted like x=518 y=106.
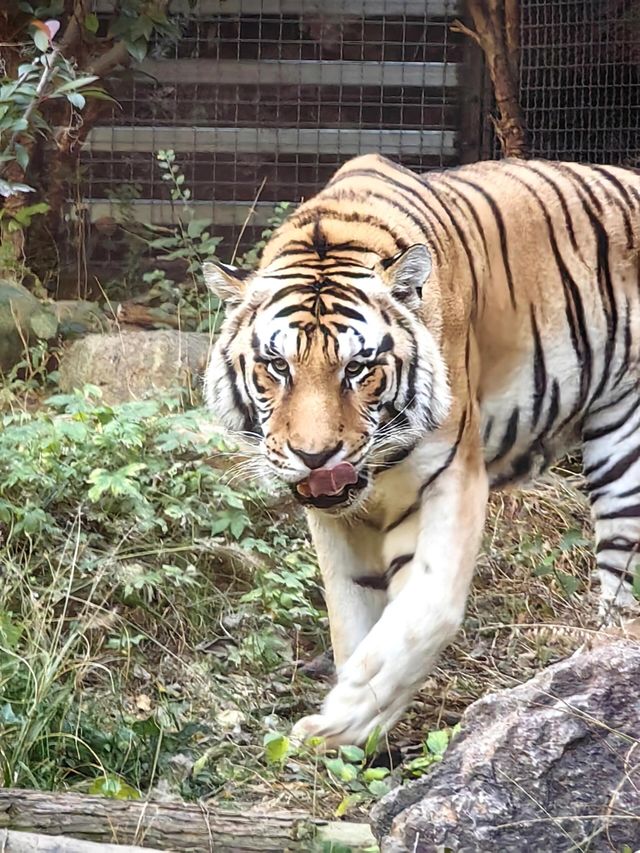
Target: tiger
x=409 y=342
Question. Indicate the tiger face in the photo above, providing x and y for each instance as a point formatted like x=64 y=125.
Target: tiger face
x=329 y=370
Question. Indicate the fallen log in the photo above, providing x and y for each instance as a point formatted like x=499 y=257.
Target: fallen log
x=177 y=826
x=32 y=842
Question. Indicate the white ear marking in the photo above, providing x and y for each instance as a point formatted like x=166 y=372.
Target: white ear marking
x=225 y=281
x=407 y=272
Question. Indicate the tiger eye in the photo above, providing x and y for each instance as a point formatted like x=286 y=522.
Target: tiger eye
x=353 y=368
x=280 y=366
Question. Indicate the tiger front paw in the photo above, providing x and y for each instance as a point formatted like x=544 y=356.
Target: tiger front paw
x=349 y=715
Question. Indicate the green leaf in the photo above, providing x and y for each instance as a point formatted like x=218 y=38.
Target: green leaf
x=10 y=633
x=340 y=770
x=276 y=747
x=636 y=583
x=78 y=83
x=76 y=99
x=568 y=582
x=137 y=49
x=345 y=804
x=8 y=189
x=114 y=788
x=91 y=23
x=8 y=717
x=373 y=773
x=41 y=40
x=352 y=753
x=371 y=745
x=22 y=156
x=196 y=227
x=378 y=788
x=572 y=539
x=437 y=742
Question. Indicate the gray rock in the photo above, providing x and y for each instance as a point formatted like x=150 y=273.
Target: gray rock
x=78 y=317
x=134 y=365
x=551 y=765
x=23 y=321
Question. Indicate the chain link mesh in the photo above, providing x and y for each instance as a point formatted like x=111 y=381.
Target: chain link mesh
x=263 y=99
x=580 y=79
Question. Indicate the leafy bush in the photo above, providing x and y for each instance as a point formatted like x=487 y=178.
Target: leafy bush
x=126 y=551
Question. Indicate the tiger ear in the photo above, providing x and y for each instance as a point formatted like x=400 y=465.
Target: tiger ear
x=406 y=273
x=226 y=282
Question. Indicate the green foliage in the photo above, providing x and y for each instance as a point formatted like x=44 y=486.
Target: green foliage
x=280 y=212
x=547 y=560
x=43 y=76
x=189 y=303
x=433 y=749
x=120 y=540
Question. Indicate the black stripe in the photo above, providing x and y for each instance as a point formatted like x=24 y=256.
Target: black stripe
x=634 y=490
x=509 y=437
x=487 y=430
x=402 y=188
x=416 y=504
x=600 y=432
x=601 y=170
x=623 y=512
x=463 y=242
x=574 y=312
x=568 y=221
x=539 y=370
x=502 y=231
x=618 y=543
x=389 y=200
x=605 y=285
x=250 y=422
x=621 y=573
x=552 y=413
x=612 y=474
x=372 y=581
x=353 y=216
x=626 y=355
x=396 y=564
x=613 y=403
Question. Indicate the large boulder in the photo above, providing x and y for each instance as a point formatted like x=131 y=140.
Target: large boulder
x=551 y=765
x=135 y=365
x=23 y=321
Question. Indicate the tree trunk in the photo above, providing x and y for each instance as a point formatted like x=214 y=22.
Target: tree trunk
x=178 y=826
x=496 y=25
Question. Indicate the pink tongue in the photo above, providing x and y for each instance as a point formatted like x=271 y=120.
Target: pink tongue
x=331 y=481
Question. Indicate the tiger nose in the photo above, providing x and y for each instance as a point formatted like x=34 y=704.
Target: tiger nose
x=316 y=460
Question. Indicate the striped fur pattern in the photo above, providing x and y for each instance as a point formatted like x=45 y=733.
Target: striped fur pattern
x=445 y=334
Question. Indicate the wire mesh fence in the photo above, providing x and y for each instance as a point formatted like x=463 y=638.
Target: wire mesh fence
x=580 y=79
x=263 y=99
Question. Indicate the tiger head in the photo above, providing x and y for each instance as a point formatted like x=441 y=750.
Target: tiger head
x=330 y=369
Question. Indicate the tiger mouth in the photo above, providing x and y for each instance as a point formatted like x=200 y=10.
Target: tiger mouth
x=342 y=498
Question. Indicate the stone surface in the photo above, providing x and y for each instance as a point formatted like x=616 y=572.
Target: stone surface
x=550 y=765
x=78 y=317
x=134 y=365
x=23 y=321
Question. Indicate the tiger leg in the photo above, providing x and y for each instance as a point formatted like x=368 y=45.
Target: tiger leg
x=344 y=556
x=611 y=456
x=427 y=601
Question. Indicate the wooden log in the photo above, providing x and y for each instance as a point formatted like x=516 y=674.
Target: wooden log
x=177 y=826
x=32 y=842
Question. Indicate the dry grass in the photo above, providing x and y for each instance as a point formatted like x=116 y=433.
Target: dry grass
x=517 y=623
